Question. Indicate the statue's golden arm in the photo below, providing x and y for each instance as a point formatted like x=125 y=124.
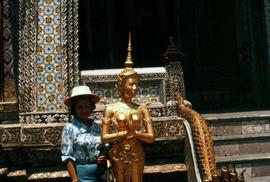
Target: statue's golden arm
x=149 y=135
x=106 y=137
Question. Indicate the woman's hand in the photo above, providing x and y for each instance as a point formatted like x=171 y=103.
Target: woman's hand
x=101 y=159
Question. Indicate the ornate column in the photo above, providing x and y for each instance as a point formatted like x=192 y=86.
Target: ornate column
x=47 y=70
x=8 y=57
x=1 y=55
x=48 y=58
x=175 y=78
x=8 y=87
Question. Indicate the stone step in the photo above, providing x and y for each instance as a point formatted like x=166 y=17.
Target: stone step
x=241 y=144
x=259 y=179
x=236 y=115
x=158 y=173
x=238 y=123
x=256 y=165
x=242 y=139
x=243 y=158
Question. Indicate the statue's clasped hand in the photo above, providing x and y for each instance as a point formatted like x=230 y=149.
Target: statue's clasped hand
x=138 y=134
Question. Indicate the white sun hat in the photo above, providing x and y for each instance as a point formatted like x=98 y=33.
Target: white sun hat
x=79 y=91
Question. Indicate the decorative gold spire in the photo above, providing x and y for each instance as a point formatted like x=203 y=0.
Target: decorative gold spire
x=129 y=62
x=128 y=65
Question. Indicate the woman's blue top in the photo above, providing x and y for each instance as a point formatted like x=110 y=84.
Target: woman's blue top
x=80 y=143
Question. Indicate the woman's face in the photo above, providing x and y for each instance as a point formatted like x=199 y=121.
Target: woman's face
x=83 y=109
x=130 y=87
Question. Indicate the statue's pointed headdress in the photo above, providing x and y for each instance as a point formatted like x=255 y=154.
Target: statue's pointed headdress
x=128 y=65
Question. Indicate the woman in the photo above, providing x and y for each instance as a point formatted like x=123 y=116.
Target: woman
x=125 y=124
x=81 y=137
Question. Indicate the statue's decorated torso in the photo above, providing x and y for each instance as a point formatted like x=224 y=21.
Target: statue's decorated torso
x=126 y=117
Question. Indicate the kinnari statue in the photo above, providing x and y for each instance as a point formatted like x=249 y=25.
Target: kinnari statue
x=125 y=124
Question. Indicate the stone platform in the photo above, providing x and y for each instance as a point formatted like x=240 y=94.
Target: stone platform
x=242 y=139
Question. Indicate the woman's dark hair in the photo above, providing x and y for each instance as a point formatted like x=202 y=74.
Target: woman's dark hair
x=72 y=107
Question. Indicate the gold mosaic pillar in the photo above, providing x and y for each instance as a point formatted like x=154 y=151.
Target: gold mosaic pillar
x=48 y=58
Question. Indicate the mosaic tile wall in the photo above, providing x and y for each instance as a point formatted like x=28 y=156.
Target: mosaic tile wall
x=50 y=88
x=150 y=91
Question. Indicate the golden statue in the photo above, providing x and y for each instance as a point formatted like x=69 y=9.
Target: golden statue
x=125 y=124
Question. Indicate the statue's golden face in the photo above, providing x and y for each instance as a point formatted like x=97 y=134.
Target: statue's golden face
x=130 y=86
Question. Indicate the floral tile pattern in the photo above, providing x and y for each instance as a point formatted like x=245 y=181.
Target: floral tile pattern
x=48 y=59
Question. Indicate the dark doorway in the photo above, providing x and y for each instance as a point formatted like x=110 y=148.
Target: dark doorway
x=224 y=46
x=223 y=42
x=104 y=27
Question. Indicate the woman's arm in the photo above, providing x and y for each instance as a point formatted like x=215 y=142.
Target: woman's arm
x=71 y=168
x=147 y=136
x=67 y=151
